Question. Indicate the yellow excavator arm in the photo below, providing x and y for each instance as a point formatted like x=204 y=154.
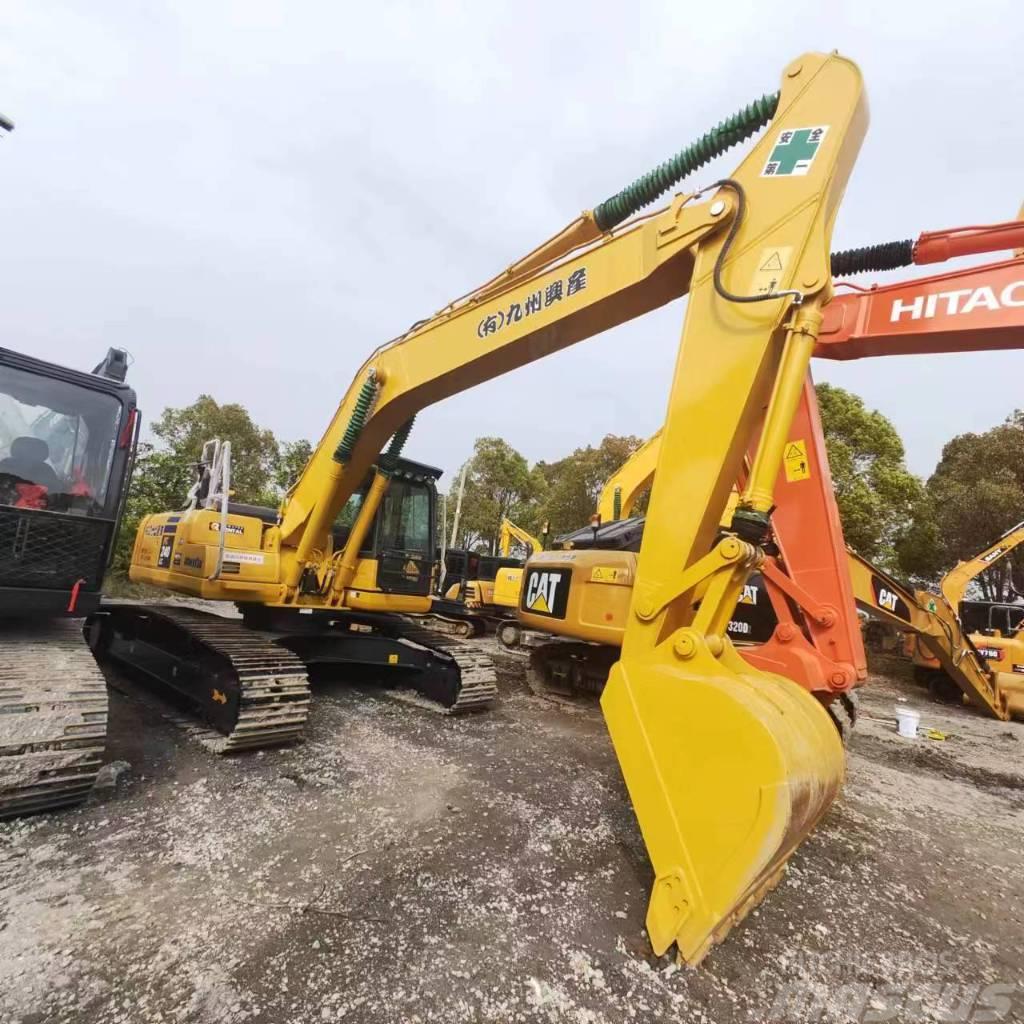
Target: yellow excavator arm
x=511 y=532
x=728 y=766
x=955 y=583
x=622 y=489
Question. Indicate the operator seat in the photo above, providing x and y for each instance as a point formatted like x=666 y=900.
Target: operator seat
x=28 y=461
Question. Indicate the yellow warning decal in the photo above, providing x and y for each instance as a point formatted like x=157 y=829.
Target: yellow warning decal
x=607 y=574
x=795 y=461
x=392 y=659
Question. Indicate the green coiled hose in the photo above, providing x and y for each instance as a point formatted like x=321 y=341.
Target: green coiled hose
x=389 y=459
x=714 y=143
x=357 y=420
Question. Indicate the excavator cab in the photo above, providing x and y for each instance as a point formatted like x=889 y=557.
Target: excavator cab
x=402 y=540
x=67 y=440
x=992 y=620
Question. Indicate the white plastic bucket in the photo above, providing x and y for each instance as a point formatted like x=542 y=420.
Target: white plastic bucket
x=907 y=721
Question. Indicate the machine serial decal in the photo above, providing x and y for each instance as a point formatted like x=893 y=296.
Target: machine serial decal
x=991 y=653
x=794 y=152
x=533 y=303
x=252 y=557
x=193 y=563
x=547 y=592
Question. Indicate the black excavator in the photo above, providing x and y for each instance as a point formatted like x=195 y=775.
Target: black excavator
x=67 y=445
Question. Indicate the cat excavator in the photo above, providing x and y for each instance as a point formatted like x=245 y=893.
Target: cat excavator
x=728 y=765
x=996 y=628
x=946 y=649
x=955 y=651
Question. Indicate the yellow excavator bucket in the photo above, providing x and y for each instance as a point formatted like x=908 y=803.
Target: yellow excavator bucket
x=728 y=770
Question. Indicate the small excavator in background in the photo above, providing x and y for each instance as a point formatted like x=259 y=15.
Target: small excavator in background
x=996 y=628
x=485 y=593
x=728 y=765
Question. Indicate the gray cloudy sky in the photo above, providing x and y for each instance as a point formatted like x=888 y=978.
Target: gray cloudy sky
x=249 y=195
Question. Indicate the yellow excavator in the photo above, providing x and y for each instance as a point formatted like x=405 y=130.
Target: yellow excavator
x=959 y=647
x=728 y=765
x=996 y=628
x=495 y=584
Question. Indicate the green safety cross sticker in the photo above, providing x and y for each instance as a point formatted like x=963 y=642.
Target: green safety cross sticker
x=794 y=152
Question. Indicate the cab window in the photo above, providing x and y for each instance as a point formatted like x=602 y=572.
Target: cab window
x=57 y=443
x=405 y=519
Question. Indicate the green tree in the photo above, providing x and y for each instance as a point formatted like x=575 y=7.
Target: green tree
x=254 y=451
x=574 y=483
x=165 y=470
x=876 y=493
x=499 y=483
x=291 y=461
x=975 y=494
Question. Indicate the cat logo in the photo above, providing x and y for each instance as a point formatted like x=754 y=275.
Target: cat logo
x=888 y=599
x=749 y=595
x=547 y=592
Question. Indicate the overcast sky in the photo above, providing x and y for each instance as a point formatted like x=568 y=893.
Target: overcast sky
x=251 y=195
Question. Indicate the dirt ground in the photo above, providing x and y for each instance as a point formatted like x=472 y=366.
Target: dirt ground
x=404 y=867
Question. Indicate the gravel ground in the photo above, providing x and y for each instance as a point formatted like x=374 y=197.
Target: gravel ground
x=404 y=867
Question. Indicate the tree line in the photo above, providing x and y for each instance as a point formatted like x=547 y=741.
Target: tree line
x=915 y=528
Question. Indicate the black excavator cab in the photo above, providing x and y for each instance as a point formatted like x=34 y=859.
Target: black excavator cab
x=67 y=444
